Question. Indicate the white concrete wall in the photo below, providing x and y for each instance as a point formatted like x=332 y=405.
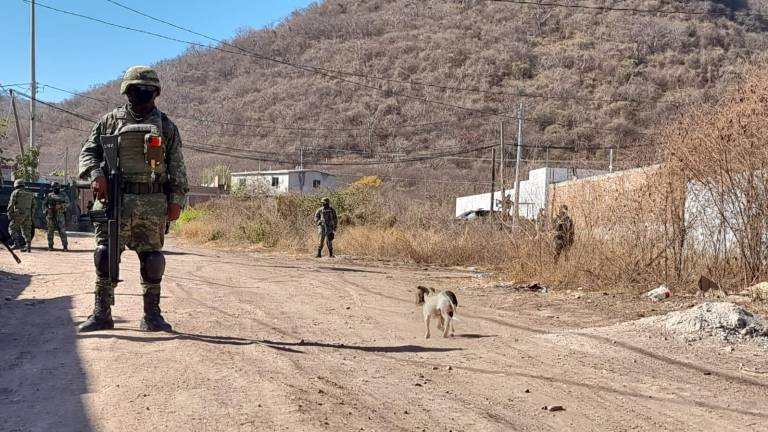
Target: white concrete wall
x=532 y=192
x=298 y=182
x=303 y=182
x=261 y=181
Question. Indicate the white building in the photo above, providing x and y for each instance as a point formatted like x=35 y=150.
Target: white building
x=533 y=192
x=282 y=181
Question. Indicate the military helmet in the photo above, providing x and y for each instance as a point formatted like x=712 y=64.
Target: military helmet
x=55 y=185
x=18 y=183
x=326 y=200
x=141 y=75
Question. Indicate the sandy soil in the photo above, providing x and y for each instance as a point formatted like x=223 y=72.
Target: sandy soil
x=275 y=342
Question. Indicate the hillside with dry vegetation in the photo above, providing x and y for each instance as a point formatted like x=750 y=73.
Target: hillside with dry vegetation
x=593 y=79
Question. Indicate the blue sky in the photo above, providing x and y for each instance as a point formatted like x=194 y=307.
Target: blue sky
x=76 y=54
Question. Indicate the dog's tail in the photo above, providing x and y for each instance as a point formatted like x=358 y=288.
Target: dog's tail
x=454 y=305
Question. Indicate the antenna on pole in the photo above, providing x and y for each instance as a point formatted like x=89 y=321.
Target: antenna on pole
x=33 y=92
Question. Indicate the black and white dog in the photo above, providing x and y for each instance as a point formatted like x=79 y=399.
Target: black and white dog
x=441 y=305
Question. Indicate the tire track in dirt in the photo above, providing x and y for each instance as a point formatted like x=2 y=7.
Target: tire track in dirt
x=340 y=397
x=497 y=418
x=628 y=405
x=583 y=384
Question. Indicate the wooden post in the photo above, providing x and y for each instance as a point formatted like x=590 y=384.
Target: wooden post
x=610 y=159
x=16 y=117
x=516 y=211
x=493 y=175
x=501 y=168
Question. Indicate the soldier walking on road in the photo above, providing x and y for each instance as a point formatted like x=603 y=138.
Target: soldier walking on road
x=56 y=205
x=326 y=220
x=152 y=193
x=21 y=207
x=564 y=232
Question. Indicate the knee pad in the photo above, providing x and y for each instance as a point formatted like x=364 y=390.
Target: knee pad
x=152 y=266
x=101 y=260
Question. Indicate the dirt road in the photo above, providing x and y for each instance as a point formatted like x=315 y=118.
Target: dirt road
x=273 y=342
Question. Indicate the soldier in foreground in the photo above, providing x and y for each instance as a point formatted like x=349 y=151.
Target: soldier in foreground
x=21 y=207
x=154 y=189
x=326 y=220
x=56 y=205
x=564 y=232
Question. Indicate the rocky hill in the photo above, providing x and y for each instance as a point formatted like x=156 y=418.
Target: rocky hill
x=589 y=79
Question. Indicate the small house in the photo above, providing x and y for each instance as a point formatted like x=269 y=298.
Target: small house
x=282 y=181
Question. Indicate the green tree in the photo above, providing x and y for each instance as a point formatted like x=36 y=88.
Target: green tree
x=26 y=165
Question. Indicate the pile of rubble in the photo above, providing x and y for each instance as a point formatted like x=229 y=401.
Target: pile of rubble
x=727 y=321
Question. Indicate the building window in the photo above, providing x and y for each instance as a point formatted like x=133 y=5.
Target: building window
x=315 y=184
x=275 y=181
x=241 y=182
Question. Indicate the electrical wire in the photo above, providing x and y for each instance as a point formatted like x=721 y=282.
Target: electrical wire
x=389 y=80
x=626 y=9
x=267 y=126
x=306 y=68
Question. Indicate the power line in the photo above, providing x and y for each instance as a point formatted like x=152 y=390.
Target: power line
x=627 y=9
x=421 y=180
x=349 y=129
x=312 y=69
x=224 y=151
x=50 y=105
x=278 y=127
x=266 y=58
x=391 y=80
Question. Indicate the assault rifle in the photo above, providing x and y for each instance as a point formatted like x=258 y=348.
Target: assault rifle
x=111 y=215
x=4 y=241
x=4 y=237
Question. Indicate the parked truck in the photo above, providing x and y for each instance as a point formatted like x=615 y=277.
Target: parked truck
x=77 y=217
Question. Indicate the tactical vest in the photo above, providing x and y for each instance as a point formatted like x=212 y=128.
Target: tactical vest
x=23 y=203
x=56 y=203
x=141 y=147
x=326 y=216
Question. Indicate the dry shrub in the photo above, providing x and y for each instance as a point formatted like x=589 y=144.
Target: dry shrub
x=721 y=152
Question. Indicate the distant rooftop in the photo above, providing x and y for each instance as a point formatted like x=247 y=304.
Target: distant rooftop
x=273 y=172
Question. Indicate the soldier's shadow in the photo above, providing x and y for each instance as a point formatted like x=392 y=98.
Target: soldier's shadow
x=277 y=345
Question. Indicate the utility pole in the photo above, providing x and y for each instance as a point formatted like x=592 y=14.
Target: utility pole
x=516 y=211
x=32 y=102
x=610 y=159
x=493 y=175
x=301 y=158
x=501 y=170
x=66 y=164
x=16 y=117
x=547 y=182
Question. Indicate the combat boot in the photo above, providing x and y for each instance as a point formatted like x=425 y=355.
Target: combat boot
x=319 y=253
x=330 y=253
x=153 y=321
x=101 y=319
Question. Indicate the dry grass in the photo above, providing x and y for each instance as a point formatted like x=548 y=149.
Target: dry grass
x=520 y=255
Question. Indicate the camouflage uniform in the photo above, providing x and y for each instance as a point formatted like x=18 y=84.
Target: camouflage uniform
x=564 y=232
x=56 y=205
x=326 y=220
x=146 y=197
x=21 y=207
